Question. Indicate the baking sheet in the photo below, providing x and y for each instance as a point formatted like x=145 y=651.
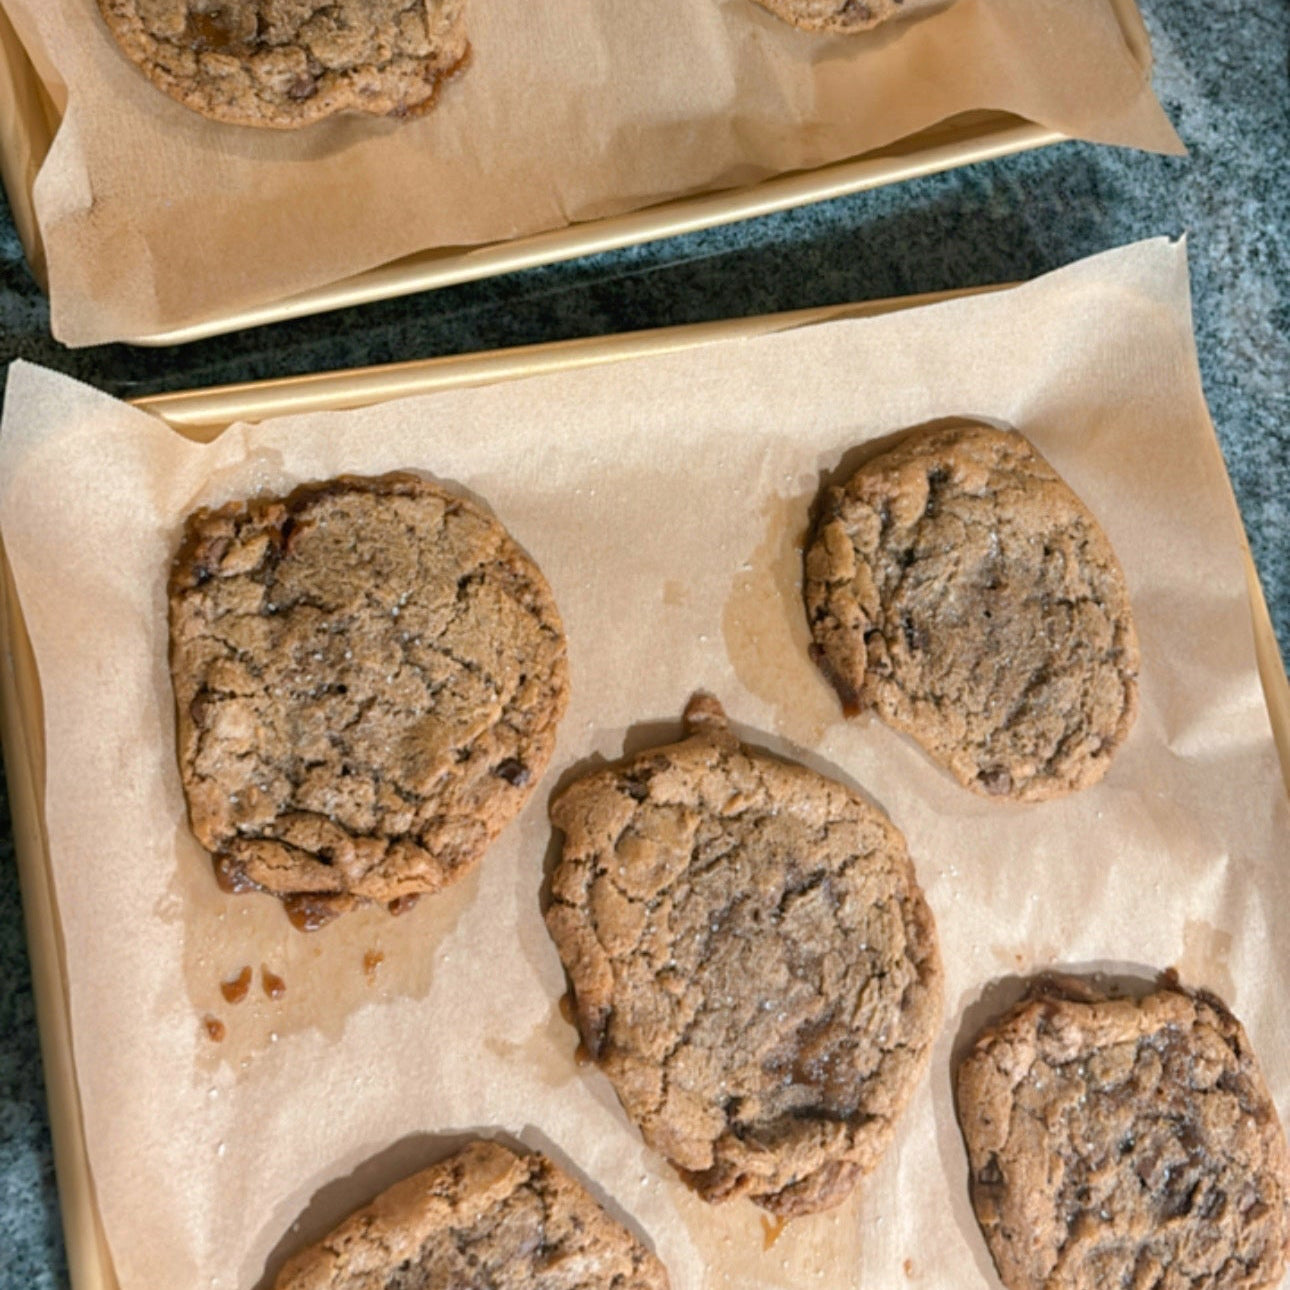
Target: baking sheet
x=160 y=225
x=688 y=475
x=28 y=123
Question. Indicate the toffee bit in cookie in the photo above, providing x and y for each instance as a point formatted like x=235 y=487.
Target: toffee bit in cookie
x=915 y=637
x=332 y=752
x=996 y=781
x=637 y=787
x=752 y=963
x=372 y=960
x=403 y=904
x=957 y=587
x=850 y=700
x=231 y=876
x=1119 y=1141
x=274 y=986
x=513 y=771
x=209 y=31
x=235 y=989
x=485 y=1217
x=215 y=1028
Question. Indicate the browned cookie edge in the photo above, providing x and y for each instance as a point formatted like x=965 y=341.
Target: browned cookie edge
x=1076 y=1016
x=841 y=628
x=452 y=1196
x=850 y=1152
x=200 y=551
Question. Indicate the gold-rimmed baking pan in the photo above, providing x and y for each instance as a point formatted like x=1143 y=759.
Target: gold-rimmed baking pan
x=29 y=119
x=202 y=414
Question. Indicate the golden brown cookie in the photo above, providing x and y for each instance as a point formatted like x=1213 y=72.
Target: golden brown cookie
x=368 y=676
x=286 y=63
x=485 y=1218
x=752 y=963
x=843 y=16
x=959 y=588
x=1123 y=1142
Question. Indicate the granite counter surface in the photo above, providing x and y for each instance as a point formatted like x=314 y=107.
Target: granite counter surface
x=1222 y=75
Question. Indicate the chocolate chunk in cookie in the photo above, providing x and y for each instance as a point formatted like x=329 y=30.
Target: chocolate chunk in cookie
x=286 y=63
x=843 y=16
x=959 y=588
x=1123 y=1142
x=753 y=964
x=368 y=675
x=485 y=1217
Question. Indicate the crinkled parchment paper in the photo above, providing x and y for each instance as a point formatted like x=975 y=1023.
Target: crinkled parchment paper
x=153 y=217
x=666 y=500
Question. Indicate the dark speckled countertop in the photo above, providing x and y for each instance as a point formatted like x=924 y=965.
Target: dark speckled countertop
x=1222 y=75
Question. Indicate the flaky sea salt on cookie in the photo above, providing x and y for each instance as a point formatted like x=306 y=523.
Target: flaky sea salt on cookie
x=1124 y=1142
x=368 y=676
x=752 y=962
x=959 y=588
x=287 y=63
x=485 y=1218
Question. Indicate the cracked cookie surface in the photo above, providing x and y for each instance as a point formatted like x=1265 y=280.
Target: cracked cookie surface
x=485 y=1217
x=843 y=16
x=752 y=962
x=368 y=676
x=958 y=587
x=1122 y=1142
x=286 y=63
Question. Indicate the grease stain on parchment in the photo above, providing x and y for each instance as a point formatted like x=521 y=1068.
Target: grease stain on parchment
x=548 y=1051
x=1205 y=959
x=675 y=593
x=363 y=958
x=737 y=1246
x=764 y=624
x=1027 y=959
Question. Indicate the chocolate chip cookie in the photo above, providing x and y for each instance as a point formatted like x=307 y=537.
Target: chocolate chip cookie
x=842 y=16
x=752 y=963
x=484 y=1217
x=956 y=586
x=286 y=63
x=368 y=675
x=1122 y=1142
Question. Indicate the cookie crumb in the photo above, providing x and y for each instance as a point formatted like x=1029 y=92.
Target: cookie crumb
x=274 y=986
x=771 y=1230
x=235 y=989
